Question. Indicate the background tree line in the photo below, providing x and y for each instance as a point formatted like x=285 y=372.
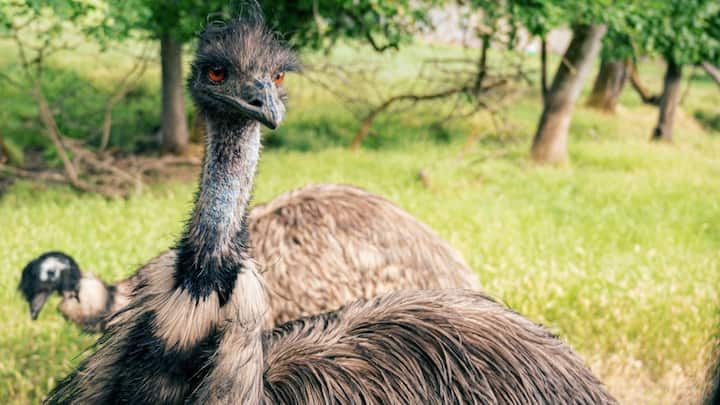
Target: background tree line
x=682 y=33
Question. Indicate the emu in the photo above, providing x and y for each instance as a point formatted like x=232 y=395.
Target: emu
x=340 y=242
x=87 y=301
x=192 y=332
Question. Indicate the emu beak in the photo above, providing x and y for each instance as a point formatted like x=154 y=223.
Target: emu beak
x=37 y=303
x=260 y=101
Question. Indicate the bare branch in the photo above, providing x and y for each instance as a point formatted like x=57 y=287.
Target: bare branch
x=712 y=70
x=368 y=120
x=482 y=64
x=127 y=83
x=369 y=37
x=96 y=163
x=33 y=175
x=643 y=92
x=54 y=134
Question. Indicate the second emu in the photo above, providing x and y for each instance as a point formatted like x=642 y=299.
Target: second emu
x=339 y=242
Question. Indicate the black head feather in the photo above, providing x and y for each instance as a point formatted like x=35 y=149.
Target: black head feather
x=247 y=51
x=49 y=272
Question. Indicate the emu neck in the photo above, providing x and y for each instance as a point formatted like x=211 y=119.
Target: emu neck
x=91 y=306
x=214 y=245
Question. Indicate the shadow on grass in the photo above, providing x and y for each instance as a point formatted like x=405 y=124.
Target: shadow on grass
x=710 y=120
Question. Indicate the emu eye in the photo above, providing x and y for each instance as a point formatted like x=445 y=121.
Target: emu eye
x=279 y=77
x=216 y=74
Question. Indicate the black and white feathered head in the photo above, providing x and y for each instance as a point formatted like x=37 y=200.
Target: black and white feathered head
x=239 y=70
x=49 y=272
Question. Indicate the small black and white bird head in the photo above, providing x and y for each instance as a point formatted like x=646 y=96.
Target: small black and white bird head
x=49 y=272
x=239 y=70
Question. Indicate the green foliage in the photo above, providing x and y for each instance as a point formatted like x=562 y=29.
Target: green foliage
x=306 y=23
x=55 y=17
x=685 y=31
x=182 y=19
x=537 y=16
x=319 y=24
x=541 y=16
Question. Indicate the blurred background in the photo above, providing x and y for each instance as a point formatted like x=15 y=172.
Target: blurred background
x=569 y=149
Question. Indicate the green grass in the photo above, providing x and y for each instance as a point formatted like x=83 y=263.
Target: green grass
x=617 y=252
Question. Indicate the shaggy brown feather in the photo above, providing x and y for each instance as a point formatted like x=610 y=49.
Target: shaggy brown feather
x=442 y=346
x=340 y=242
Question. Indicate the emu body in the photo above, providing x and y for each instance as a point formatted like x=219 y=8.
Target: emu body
x=192 y=332
x=340 y=242
x=435 y=346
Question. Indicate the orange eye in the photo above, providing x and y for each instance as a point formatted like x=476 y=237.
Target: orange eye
x=278 y=79
x=216 y=74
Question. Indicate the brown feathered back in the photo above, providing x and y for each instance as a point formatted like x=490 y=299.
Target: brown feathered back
x=342 y=243
x=420 y=347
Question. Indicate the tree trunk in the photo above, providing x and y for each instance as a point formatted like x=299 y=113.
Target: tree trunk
x=668 y=102
x=3 y=153
x=543 y=69
x=174 y=121
x=608 y=85
x=550 y=141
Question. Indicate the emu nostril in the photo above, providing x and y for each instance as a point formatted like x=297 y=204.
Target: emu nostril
x=256 y=103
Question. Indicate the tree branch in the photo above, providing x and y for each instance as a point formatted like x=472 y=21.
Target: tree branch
x=368 y=35
x=53 y=133
x=127 y=83
x=712 y=70
x=643 y=92
x=33 y=175
x=482 y=64
x=370 y=117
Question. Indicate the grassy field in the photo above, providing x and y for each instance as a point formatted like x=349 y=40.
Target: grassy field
x=617 y=252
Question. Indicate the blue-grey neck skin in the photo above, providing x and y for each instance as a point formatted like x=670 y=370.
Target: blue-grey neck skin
x=213 y=257
x=214 y=245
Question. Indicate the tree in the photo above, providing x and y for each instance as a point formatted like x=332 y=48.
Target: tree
x=608 y=85
x=550 y=140
x=173 y=23
x=589 y=20
x=538 y=17
x=38 y=31
x=682 y=32
x=669 y=101
x=616 y=56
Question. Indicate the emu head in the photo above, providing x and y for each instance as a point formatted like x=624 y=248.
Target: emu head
x=238 y=72
x=49 y=272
